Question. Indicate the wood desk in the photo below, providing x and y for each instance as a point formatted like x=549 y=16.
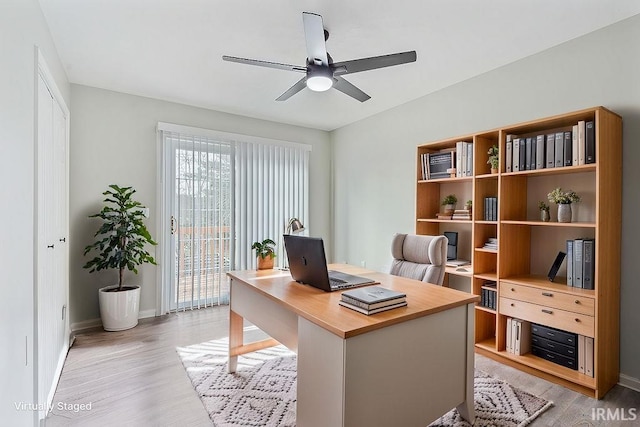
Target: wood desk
x=406 y=366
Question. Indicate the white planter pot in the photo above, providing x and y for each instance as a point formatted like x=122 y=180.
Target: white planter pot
x=119 y=310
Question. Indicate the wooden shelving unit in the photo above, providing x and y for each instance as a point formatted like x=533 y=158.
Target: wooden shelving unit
x=528 y=246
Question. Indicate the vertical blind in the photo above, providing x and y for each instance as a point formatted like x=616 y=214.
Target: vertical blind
x=271 y=186
x=222 y=193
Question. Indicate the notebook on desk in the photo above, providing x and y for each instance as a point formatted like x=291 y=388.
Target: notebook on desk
x=308 y=265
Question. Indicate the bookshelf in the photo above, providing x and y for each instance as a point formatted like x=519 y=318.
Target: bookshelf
x=527 y=246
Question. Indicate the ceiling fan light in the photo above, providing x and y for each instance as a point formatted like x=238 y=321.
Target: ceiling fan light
x=319 y=83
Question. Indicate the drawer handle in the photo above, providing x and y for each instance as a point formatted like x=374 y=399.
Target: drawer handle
x=513 y=290
x=577 y=301
x=577 y=320
x=551 y=345
x=513 y=305
x=547 y=311
x=547 y=294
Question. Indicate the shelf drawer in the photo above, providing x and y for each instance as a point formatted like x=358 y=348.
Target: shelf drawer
x=561 y=319
x=562 y=349
x=549 y=298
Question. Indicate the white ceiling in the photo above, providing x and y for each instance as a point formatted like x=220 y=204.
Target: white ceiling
x=172 y=49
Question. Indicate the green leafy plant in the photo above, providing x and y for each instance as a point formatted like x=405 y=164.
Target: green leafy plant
x=451 y=199
x=493 y=157
x=121 y=239
x=264 y=249
x=469 y=203
x=559 y=196
x=543 y=206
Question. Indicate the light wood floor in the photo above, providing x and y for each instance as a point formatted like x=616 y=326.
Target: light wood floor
x=135 y=378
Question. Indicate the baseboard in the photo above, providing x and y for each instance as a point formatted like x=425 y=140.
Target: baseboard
x=629 y=382
x=94 y=323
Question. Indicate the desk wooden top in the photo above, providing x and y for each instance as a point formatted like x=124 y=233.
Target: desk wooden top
x=322 y=307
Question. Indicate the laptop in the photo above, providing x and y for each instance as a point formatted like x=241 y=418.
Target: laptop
x=308 y=265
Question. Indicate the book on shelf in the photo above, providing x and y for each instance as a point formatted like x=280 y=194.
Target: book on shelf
x=589 y=143
x=559 y=149
x=461 y=214
x=509 y=154
x=523 y=337
x=491 y=243
x=490 y=208
x=588 y=267
x=372 y=311
x=516 y=154
x=529 y=154
x=443 y=216
x=568 y=149
x=508 y=344
x=578 y=244
x=438 y=163
x=581 y=146
x=574 y=147
x=569 y=262
x=588 y=356
x=581 y=353
x=523 y=154
x=551 y=150
x=540 y=152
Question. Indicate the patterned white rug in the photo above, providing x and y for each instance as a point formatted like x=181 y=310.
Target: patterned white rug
x=262 y=393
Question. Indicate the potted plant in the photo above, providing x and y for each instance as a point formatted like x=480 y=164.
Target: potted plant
x=544 y=211
x=120 y=244
x=469 y=205
x=449 y=203
x=265 y=253
x=493 y=158
x=563 y=199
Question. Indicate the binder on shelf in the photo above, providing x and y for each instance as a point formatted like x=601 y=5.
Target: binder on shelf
x=508 y=346
x=581 y=353
x=590 y=143
x=587 y=261
x=509 y=154
x=588 y=356
x=540 y=152
x=459 y=145
x=551 y=150
x=469 y=168
x=559 y=151
x=581 y=146
x=528 y=159
x=569 y=262
x=568 y=149
x=516 y=154
x=523 y=154
x=523 y=340
x=578 y=245
x=574 y=148
x=514 y=334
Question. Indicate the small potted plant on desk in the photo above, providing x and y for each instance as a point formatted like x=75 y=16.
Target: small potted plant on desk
x=120 y=244
x=265 y=253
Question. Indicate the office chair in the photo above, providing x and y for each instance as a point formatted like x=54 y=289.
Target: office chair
x=419 y=257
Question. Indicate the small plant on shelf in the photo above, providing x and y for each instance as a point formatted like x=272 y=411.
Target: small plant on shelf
x=544 y=211
x=562 y=197
x=449 y=203
x=493 y=158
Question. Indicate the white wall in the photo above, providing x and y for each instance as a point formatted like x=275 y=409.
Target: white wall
x=374 y=173
x=22 y=26
x=113 y=140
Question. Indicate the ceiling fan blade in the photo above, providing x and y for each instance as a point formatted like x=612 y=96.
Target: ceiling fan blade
x=301 y=84
x=265 y=64
x=364 y=64
x=347 y=88
x=314 y=36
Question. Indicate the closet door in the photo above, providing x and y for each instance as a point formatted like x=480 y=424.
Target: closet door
x=52 y=257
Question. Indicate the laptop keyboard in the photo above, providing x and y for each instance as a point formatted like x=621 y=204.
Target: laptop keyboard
x=337 y=284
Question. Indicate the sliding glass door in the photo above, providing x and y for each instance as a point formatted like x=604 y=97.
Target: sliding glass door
x=200 y=201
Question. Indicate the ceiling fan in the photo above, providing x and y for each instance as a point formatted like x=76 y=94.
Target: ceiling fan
x=321 y=73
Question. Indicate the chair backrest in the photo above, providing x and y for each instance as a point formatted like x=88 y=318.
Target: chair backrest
x=419 y=257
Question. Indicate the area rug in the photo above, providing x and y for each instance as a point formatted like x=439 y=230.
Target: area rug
x=262 y=393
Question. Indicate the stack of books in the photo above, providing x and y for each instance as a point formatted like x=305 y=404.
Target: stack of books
x=443 y=216
x=488 y=295
x=462 y=214
x=490 y=208
x=372 y=299
x=491 y=243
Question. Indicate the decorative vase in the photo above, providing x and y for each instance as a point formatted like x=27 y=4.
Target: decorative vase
x=544 y=215
x=494 y=170
x=564 y=212
x=448 y=209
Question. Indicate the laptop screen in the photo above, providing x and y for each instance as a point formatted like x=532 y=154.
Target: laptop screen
x=307 y=261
